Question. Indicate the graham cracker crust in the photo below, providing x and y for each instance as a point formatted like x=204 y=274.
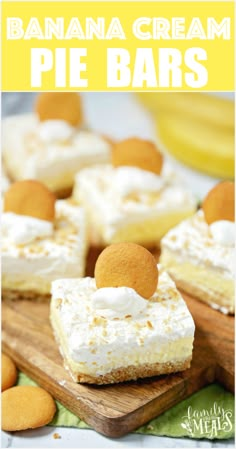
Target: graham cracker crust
x=131 y=372
x=15 y=295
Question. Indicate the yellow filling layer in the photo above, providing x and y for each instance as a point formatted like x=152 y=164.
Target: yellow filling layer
x=64 y=180
x=32 y=283
x=201 y=281
x=174 y=351
x=149 y=231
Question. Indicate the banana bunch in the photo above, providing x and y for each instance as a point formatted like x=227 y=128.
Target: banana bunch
x=196 y=128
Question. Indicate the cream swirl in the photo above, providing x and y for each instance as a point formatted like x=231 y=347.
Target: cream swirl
x=223 y=232
x=117 y=302
x=52 y=131
x=21 y=229
x=128 y=180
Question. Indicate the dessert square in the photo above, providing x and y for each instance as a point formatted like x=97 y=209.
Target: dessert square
x=49 y=147
x=114 y=335
x=128 y=203
x=200 y=257
x=36 y=252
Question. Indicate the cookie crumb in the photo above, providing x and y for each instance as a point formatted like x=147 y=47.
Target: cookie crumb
x=56 y=436
x=149 y=324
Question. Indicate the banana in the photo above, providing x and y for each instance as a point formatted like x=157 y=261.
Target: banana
x=196 y=128
x=201 y=146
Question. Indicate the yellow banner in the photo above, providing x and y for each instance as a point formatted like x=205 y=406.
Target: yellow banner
x=118 y=46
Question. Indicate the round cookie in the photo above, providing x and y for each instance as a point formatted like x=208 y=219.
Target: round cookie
x=219 y=203
x=136 y=152
x=26 y=407
x=9 y=372
x=31 y=198
x=127 y=265
x=60 y=106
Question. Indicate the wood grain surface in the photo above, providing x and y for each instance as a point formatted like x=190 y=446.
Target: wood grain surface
x=117 y=409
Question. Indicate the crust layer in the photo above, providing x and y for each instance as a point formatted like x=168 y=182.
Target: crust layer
x=131 y=372
x=14 y=295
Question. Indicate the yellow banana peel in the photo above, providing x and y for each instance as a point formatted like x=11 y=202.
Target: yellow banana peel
x=196 y=128
x=204 y=147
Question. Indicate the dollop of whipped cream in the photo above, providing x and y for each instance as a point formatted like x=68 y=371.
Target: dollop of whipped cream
x=128 y=180
x=117 y=302
x=223 y=232
x=21 y=229
x=51 y=131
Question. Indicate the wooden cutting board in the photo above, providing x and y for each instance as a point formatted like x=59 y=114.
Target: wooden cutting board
x=117 y=409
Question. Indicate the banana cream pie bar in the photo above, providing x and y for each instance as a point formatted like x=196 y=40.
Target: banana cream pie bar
x=199 y=253
x=50 y=144
x=137 y=198
x=42 y=240
x=128 y=322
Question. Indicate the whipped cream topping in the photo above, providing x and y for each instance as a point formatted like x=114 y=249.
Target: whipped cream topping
x=51 y=131
x=34 y=265
x=21 y=229
x=54 y=162
x=127 y=180
x=111 y=302
x=223 y=232
x=162 y=332
x=193 y=240
x=93 y=189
